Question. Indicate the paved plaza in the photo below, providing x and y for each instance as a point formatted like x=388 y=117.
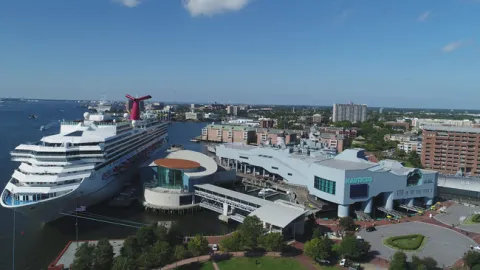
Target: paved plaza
x=444 y=245
x=458 y=212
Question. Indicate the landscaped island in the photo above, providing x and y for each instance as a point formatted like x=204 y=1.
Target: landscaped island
x=473 y=219
x=410 y=242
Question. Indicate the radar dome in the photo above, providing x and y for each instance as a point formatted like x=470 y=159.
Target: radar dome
x=86 y=115
x=125 y=115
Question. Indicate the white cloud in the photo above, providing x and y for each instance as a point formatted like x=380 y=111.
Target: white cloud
x=212 y=7
x=424 y=16
x=450 y=47
x=129 y=3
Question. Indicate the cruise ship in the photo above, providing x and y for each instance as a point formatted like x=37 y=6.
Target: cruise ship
x=88 y=162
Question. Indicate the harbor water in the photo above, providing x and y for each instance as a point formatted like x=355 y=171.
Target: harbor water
x=37 y=244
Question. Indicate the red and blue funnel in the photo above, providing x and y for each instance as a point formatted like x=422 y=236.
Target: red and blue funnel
x=135 y=112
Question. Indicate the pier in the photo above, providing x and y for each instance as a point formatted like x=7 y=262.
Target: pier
x=236 y=206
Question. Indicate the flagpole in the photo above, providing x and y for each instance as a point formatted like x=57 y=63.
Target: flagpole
x=13 y=243
x=76 y=223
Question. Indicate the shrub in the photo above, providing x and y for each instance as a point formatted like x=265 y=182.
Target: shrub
x=476 y=218
x=405 y=242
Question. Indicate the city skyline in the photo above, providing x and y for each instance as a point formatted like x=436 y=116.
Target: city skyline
x=262 y=51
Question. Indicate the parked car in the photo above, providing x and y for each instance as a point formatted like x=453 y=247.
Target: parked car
x=371 y=229
x=324 y=262
x=343 y=262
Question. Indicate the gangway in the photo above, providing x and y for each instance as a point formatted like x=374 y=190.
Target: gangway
x=363 y=216
x=392 y=212
x=413 y=208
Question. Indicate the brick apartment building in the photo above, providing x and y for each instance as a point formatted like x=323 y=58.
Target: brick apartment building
x=338 y=142
x=348 y=132
x=266 y=123
x=228 y=133
x=451 y=149
x=264 y=135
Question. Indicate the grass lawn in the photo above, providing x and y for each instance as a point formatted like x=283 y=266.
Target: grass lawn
x=268 y=263
x=197 y=266
x=410 y=242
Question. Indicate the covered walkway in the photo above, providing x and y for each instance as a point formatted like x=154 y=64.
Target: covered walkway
x=235 y=205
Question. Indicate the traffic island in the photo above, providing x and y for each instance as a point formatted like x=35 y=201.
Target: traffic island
x=410 y=242
x=473 y=219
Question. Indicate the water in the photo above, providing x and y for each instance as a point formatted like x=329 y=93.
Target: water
x=38 y=244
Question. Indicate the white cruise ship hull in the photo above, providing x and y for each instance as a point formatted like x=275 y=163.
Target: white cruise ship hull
x=92 y=190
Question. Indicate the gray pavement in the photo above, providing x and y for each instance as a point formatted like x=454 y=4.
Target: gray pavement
x=444 y=245
x=456 y=213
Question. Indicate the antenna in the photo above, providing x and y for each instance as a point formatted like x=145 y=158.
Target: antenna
x=135 y=113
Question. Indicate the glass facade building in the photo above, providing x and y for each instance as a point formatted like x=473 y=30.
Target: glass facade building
x=169 y=178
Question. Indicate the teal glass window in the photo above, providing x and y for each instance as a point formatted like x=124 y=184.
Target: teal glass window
x=168 y=178
x=325 y=185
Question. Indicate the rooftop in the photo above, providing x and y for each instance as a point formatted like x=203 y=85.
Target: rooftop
x=234 y=194
x=453 y=129
x=268 y=211
x=230 y=127
x=177 y=164
x=206 y=164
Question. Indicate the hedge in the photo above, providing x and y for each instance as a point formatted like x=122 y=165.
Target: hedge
x=412 y=241
x=476 y=218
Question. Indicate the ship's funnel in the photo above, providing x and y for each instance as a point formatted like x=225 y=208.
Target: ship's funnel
x=135 y=113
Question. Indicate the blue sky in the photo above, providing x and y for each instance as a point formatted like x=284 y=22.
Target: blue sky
x=405 y=53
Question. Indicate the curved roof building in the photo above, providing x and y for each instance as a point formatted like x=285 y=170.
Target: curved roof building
x=169 y=182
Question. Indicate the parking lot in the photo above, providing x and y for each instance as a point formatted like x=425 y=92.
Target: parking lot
x=444 y=245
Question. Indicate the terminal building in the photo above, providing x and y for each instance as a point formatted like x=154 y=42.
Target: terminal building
x=169 y=182
x=348 y=179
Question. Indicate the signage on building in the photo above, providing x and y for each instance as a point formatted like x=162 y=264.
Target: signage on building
x=358 y=180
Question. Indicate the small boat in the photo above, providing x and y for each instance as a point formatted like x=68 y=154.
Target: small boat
x=265 y=192
x=33 y=116
x=42 y=128
x=175 y=147
x=194 y=140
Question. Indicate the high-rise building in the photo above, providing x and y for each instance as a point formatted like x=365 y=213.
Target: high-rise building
x=451 y=149
x=355 y=113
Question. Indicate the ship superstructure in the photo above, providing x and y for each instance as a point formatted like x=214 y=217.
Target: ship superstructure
x=86 y=163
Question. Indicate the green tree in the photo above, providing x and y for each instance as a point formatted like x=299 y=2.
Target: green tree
x=317 y=233
x=251 y=229
x=84 y=257
x=179 y=253
x=427 y=263
x=399 y=261
x=347 y=223
x=476 y=267
x=130 y=249
x=124 y=263
x=198 y=245
x=319 y=248
x=103 y=255
x=272 y=242
x=162 y=251
x=147 y=259
x=146 y=236
x=353 y=249
x=472 y=258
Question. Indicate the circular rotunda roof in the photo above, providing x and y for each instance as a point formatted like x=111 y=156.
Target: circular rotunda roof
x=177 y=164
